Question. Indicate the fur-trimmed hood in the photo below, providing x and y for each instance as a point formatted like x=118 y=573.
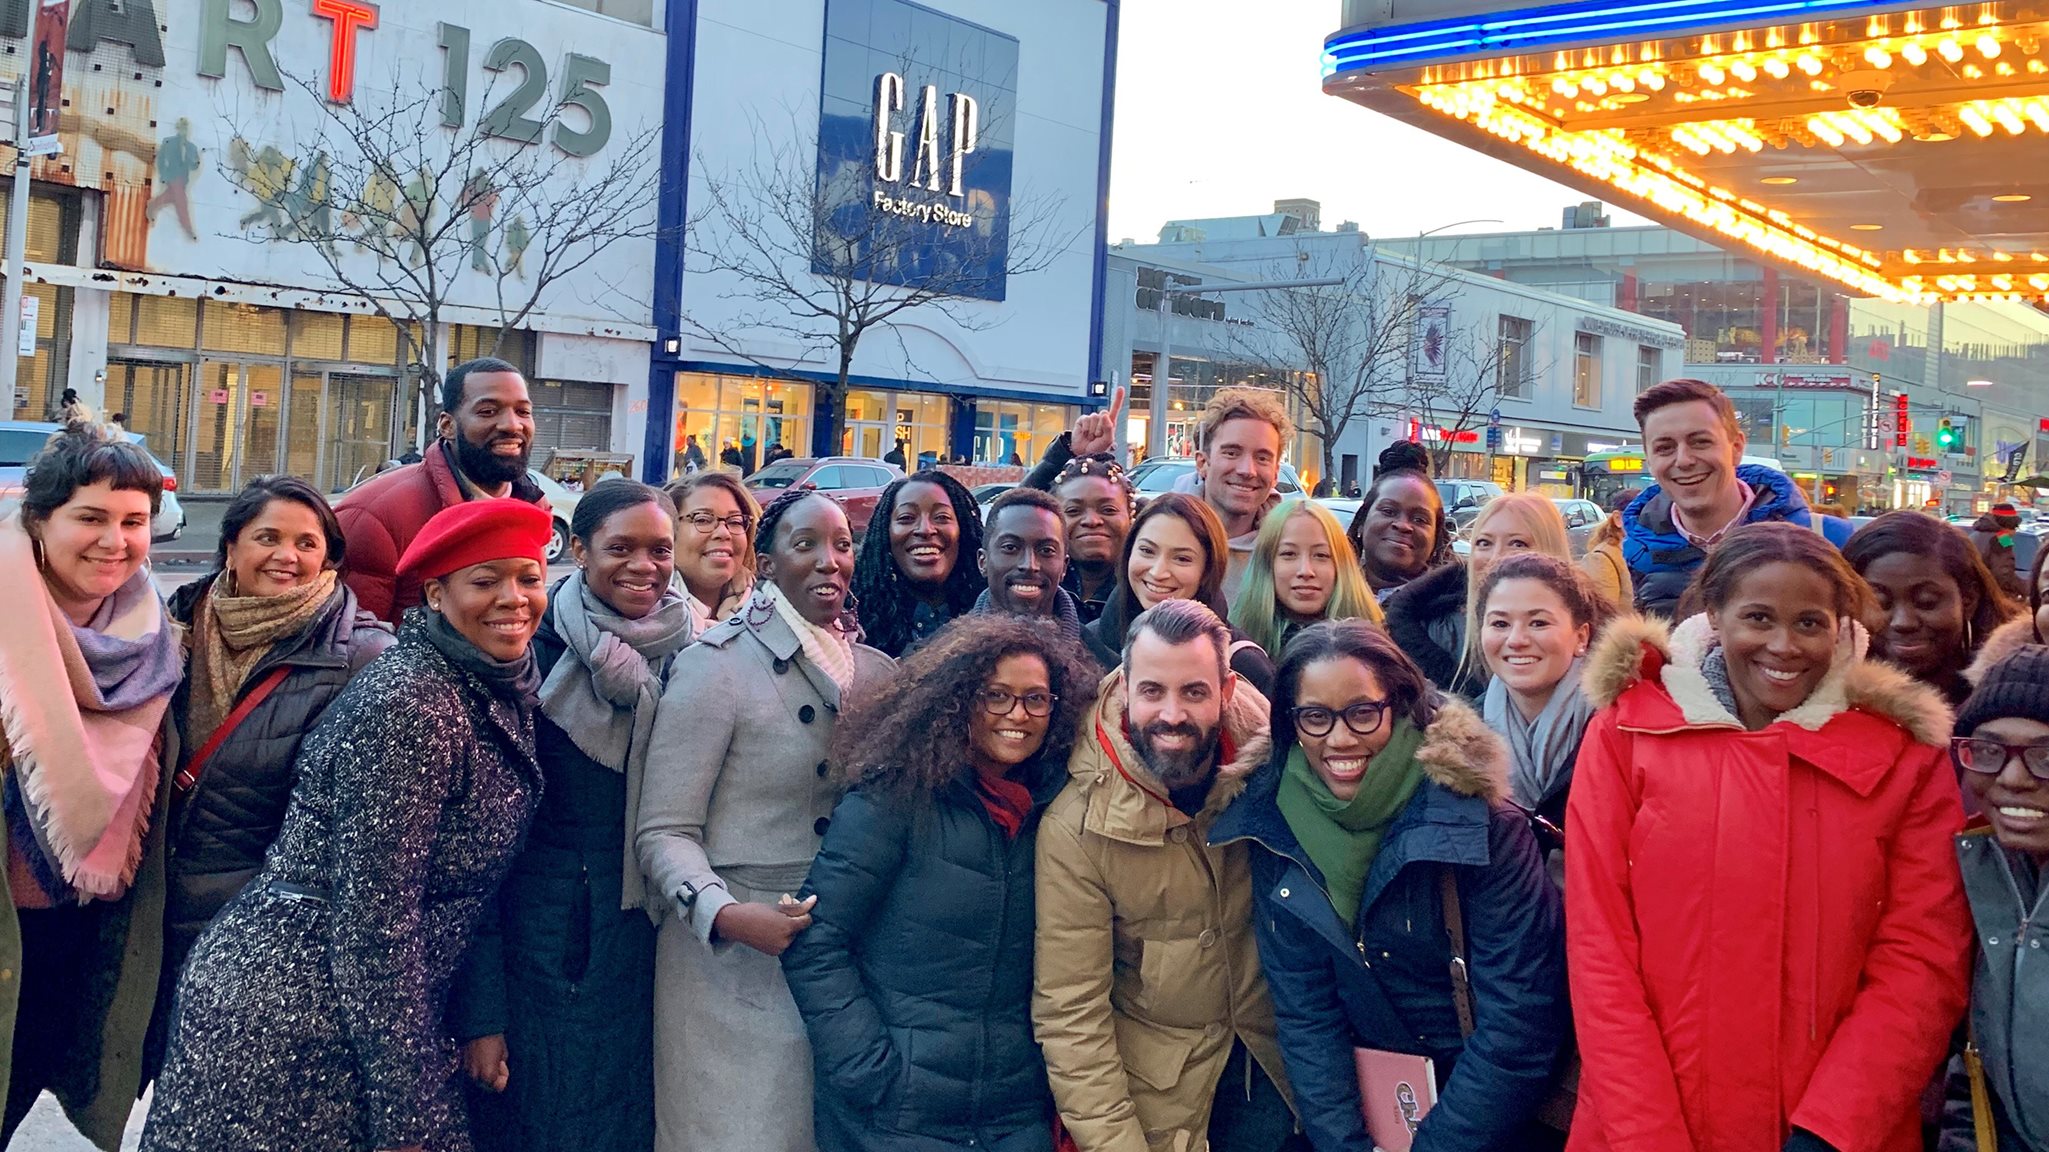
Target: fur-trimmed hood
x=1125 y=800
x=1636 y=650
x=2005 y=640
x=1461 y=753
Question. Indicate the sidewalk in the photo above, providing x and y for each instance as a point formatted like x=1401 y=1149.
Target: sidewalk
x=202 y=536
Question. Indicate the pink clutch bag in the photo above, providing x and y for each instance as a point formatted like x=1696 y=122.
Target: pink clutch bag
x=1396 y=1091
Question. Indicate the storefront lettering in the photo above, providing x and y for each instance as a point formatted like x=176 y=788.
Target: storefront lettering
x=350 y=17
x=963 y=117
x=1605 y=327
x=924 y=213
x=219 y=30
x=130 y=22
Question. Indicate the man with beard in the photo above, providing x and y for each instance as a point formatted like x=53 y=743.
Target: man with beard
x=1024 y=559
x=485 y=435
x=1149 y=1003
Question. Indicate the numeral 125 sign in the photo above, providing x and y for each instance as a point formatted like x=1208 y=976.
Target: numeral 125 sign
x=510 y=118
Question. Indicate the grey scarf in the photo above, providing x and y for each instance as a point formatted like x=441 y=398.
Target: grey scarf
x=602 y=692
x=1542 y=750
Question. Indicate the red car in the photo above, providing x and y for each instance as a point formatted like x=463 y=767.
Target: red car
x=856 y=483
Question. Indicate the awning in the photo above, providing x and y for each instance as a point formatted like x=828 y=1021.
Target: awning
x=1898 y=150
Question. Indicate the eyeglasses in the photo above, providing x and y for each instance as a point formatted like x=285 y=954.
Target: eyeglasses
x=704 y=523
x=1990 y=757
x=1363 y=718
x=997 y=702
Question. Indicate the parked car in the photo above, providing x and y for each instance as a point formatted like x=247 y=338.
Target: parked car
x=1581 y=518
x=1177 y=474
x=562 y=507
x=986 y=494
x=1463 y=499
x=20 y=440
x=856 y=483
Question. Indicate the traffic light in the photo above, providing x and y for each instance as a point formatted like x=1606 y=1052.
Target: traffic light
x=1945 y=436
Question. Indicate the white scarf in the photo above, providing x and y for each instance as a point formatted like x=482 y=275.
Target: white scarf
x=828 y=648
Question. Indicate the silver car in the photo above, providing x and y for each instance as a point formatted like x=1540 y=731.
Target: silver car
x=20 y=440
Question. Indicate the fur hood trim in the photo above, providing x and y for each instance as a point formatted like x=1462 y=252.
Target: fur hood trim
x=2005 y=640
x=1462 y=754
x=1632 y=646
x=1103 y=748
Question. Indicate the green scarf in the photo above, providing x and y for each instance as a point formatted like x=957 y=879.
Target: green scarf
x=1340 y=836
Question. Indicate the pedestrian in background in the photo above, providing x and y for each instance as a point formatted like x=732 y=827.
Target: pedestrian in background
x=1176 y=550
x=555 y=1003
x=1992 y=537
x=1766 y=930
x=1389 y=867
x=1303 y=571
x=483 y=441
x=916 y=569
x=732 y=810
x=1400 y=530
x=715 y=519
x=915 y=978
x=88 y=663
x=274 y=636
x=1603 y=562
x=1937 y=603
x=311 y=1013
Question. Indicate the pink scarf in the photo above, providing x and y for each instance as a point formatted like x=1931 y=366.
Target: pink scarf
x=84 y=756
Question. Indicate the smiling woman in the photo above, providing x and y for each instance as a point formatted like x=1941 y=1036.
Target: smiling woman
x=1937 y=604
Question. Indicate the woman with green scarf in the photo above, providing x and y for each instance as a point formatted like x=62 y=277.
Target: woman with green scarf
x=1383 y=810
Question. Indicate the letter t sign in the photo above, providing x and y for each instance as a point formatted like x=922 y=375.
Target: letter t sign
x=348 y=16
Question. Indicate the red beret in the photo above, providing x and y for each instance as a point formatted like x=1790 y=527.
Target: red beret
x=477 y=532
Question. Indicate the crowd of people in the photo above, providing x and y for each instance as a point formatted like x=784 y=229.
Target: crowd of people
x=1091 y=823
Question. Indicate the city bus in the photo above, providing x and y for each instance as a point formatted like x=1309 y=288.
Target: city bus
x=1605 y=473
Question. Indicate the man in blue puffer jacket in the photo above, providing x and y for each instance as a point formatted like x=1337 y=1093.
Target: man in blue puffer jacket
x=1693 y=444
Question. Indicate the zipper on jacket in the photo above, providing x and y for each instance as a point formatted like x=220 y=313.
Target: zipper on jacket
x=1358 y=928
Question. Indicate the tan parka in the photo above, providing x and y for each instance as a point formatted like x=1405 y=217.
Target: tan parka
x=1146 y=964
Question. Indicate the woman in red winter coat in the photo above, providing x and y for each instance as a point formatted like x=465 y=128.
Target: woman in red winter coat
x=1766 y=932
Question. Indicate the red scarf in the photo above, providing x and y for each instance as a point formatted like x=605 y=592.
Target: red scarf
x=1006 y=801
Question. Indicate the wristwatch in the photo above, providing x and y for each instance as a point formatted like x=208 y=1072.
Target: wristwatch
x=687 y=898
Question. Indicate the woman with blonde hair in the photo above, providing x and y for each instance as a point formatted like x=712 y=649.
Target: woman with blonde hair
x=1303 y=571
x=1434 y=618
x=715 y=519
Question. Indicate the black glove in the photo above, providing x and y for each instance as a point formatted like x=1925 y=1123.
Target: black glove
x=1804 y=1141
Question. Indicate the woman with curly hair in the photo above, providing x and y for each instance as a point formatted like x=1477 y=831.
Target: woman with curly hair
x=909 y=580
x=915 y=977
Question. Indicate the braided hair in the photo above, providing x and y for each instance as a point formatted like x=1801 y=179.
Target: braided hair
x=764 y=542
x=888 y=604
x=1103 y=464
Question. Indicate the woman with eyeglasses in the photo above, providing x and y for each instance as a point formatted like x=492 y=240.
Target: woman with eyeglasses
x=2001 y=749
x=1766 y=927
x=915 y=977
x=1386 y=857
x=715 y=519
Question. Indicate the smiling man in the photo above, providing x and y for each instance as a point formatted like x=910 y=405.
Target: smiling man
x=1150 y=1007
x=1024 y=559
x=485 y=436
x=1238 y=460
x=1693 y=446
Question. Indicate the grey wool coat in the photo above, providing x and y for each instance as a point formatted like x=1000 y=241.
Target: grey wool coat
x=733 y=807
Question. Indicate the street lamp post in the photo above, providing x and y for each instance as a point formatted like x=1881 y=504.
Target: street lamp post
x=1156 y=411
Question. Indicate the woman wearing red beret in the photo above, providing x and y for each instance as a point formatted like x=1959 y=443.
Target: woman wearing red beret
x=310 y=1013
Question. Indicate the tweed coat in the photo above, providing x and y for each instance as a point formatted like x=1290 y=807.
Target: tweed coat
x=733 y=807
x=316 y=1025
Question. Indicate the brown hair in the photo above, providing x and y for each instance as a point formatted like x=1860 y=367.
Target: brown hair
x=1585 y=605
x=750 y=511
x=1243 y=404
x=1209 y=532
x=1686 y=390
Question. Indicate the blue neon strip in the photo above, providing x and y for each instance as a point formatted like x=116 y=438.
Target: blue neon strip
x=1533 y=27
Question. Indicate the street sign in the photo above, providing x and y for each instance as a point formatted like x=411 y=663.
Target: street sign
x=1943 y=478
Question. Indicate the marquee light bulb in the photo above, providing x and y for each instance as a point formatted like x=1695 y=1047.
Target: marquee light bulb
x=1878 y=57
x=1714 y=75
x=1777 y=69
x=1950 y=50
x=1913 y=53
x=1988 y=46
x=1743 y=71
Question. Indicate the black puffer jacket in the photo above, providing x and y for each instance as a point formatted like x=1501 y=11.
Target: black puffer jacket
x=220 y=831
x=1427 y=618
x=915 y=979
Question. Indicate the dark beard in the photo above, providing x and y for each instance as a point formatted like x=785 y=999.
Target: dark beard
x=1177 y=769
x=486 y=469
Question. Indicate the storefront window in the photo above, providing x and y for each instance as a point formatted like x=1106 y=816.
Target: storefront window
x=732 y=420
x=1007 y=428
x=878 y=421
x=1586 y=370
x=245 y=328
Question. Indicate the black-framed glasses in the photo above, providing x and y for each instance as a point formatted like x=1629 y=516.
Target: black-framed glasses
x=1363 y=718
x=704 y=523
x=997 y=702
x=1990 y=757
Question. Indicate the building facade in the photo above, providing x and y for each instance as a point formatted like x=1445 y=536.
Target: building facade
x=1505 y=381
x=827 y=161
x=229 y=195
x=1818 y=376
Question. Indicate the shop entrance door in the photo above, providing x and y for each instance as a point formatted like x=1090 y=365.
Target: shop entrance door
x=157 y=400
x=356 y=440
x=237 y=424
x=867 y=439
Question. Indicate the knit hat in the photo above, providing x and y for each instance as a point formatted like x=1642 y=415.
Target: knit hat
x=2018 y=685
x=2005 y=509
x=477 y=532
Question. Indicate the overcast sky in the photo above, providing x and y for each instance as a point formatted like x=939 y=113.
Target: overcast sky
x=1220 y=112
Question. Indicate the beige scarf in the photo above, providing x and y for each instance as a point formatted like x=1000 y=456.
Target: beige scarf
x=829 y=648
x=232 y=634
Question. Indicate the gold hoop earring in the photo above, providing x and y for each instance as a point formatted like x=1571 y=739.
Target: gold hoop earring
x=35 y=548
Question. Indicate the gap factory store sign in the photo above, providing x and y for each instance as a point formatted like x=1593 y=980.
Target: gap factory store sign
x=915 y=157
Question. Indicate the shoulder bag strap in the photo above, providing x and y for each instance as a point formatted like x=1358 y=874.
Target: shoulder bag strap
x=1455 y=925
x=1984 y=1133
x=187 y=778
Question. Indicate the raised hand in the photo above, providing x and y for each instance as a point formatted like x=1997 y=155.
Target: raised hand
x=1097 y=431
